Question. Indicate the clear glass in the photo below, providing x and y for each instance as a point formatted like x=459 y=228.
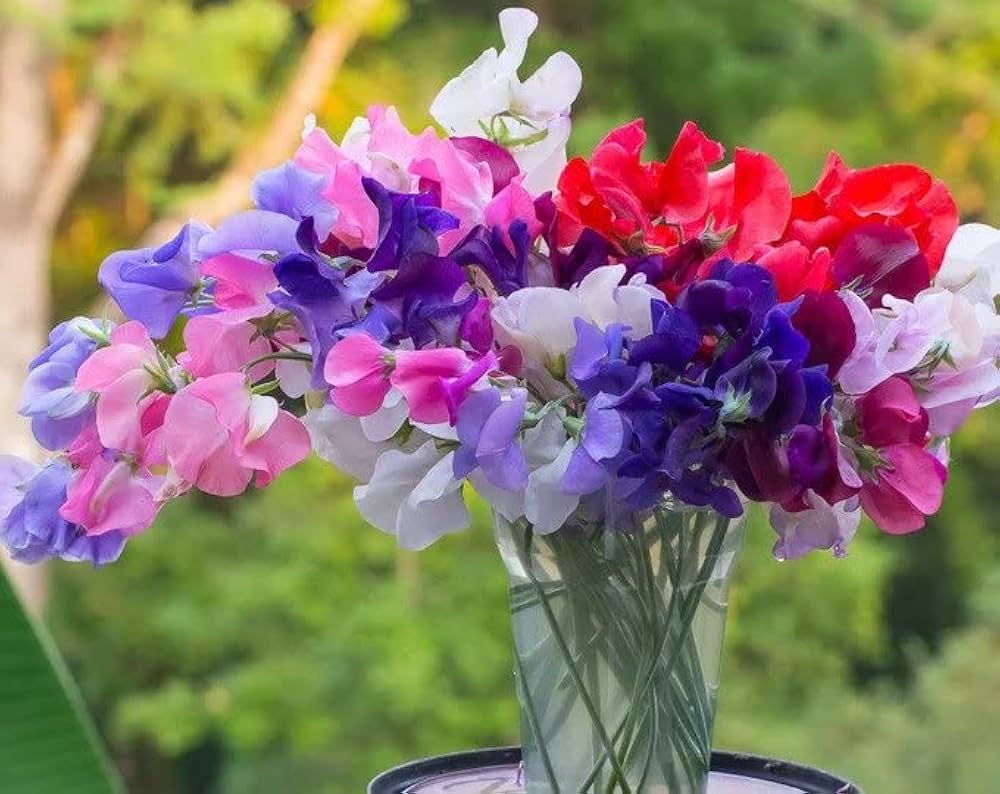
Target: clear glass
x=618 y=629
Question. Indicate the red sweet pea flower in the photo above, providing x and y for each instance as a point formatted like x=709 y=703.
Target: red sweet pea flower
x=750 y=198
x=633 y=204
x=901 y=195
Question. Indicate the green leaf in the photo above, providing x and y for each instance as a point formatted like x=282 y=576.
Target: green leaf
x=47 y=742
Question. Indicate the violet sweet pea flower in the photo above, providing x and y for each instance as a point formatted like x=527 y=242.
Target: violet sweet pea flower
x=31 y=526
x=58 y=411
x=297 y=193
x=153 y=285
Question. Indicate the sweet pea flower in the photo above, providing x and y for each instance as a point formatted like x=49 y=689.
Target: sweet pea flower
x=153 y=285
x=891 y=414
x=31 y=526
x=380 y=147
x=909 y=486
x=414 y=496
x=892 y=340
x=820 y=526
x=218 y=437
x=971 y=266
x=297 y=193
x=226 y=342
x=530 y=118
x=109 y=496
x=353 y=444
x=58 y=411
x=488 y=427
x=540 y=321
x=434 y=381
x=124 y=376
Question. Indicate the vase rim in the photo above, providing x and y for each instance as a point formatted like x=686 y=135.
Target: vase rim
x=751 y=767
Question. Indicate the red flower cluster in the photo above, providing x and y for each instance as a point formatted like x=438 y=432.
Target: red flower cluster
x=882 y=229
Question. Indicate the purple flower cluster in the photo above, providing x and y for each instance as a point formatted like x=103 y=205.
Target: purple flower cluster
x=665 y=412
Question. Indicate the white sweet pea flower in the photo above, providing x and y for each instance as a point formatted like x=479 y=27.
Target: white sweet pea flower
x=414 y=496
x=540 y=320
x=820 y=526
x=531 y=118
x=971 y=265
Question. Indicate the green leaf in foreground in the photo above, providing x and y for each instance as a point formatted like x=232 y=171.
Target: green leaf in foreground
x=47 y=743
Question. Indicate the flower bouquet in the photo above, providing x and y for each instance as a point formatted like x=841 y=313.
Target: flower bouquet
x=616 y=354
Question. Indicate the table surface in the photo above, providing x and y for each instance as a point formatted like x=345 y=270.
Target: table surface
x=504 y=780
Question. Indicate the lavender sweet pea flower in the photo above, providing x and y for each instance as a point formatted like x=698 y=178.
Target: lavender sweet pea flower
x=252 y=233
x=601 y=439
x=58 y=412
x=820 y=526
x=31 y=527
x=153 y=285
x=488 y=428
x=297 y=193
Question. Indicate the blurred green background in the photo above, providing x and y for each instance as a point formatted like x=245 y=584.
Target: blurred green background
x=278 y=643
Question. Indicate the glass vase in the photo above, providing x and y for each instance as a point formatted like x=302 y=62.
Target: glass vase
x=618 y=629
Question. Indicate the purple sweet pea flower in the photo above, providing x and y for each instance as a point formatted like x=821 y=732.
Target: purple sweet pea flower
x=324 y=300
x=408 y=224
x=153 y=285
x=488 y=250
x=878 y=260
x=428 y=295
x=297 y=193
x=674 y=341
x=488 y=427
x=57 y=410
x=31 y=527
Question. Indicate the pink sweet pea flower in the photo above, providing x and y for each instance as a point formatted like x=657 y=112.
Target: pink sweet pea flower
x=357 y=367
x=908 y=488
x=226 y=342
x=433 y=382
x=218 y=437
x=240 y=283
x=380 y=146
x=120 y=375
x=108 y=496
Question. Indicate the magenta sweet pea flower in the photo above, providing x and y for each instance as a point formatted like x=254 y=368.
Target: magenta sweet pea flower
x=218 y=437
x=891 y=414
x=435 y=382
x=909 y=487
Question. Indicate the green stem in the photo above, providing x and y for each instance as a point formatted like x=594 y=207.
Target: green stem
x=568 y=656
x=279 y=356
x=536 y=728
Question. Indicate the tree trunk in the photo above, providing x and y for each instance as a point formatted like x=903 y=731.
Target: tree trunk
x=24 y=245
